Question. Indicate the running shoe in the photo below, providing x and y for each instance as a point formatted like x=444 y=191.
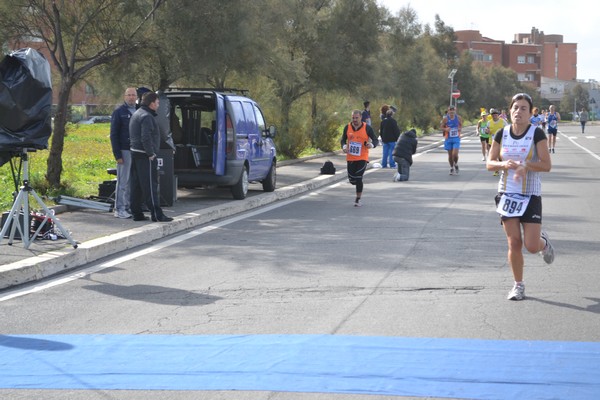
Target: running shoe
x=517 y=292
x=451 y=171
x=548 y=252
x=357 y=203
x=482 y=158
x=456 y=168
x=496 y=173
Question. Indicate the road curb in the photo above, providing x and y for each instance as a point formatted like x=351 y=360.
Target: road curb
x=55 y=262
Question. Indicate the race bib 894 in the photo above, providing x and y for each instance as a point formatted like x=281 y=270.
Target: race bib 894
x=512 y=205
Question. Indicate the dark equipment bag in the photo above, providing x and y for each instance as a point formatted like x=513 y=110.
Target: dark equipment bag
x=328 y=168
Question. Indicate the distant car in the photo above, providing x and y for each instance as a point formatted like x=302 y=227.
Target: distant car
x=95 y=119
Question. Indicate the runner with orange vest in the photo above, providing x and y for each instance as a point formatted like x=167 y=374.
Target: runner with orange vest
x=357 y=139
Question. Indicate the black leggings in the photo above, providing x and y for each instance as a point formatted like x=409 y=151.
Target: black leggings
x=356 y=170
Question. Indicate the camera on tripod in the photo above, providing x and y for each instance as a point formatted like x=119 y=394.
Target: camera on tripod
x=25 y=103
x=25 y=126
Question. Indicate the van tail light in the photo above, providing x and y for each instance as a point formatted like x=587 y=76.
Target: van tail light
x=229 y=134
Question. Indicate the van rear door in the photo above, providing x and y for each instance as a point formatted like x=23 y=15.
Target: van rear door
x=259 y=162
x=219 y=144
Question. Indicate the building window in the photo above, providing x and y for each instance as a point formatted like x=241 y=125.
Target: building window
x=480 y=55
x=526 y=77
x=477 y=55
x=520 y=59
x=530 y=59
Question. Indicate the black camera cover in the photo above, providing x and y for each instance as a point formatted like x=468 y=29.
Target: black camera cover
x=25 y=102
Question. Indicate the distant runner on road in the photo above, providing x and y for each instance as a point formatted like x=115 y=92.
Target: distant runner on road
x=452 y=126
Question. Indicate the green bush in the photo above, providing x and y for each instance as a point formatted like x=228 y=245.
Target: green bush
x=292 y=143
x=326 y=134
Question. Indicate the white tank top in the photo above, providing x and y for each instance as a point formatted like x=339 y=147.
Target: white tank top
x=521 y=150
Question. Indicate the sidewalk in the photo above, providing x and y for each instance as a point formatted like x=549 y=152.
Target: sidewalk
x=99 y=234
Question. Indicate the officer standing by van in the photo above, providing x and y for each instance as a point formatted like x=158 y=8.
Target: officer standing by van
x=357 y=139
x=145 y=142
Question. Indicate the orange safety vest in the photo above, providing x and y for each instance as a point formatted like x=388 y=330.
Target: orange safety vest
x=356 y=143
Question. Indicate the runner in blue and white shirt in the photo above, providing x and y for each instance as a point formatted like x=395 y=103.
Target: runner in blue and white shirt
x=536 y=119
x=451 y=127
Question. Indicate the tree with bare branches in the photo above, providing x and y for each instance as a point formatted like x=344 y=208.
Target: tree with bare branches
x=77 y=36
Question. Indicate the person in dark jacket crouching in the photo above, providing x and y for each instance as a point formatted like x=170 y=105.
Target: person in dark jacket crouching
x=405 y=147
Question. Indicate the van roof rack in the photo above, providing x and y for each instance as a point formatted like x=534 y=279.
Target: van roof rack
x=243 y=92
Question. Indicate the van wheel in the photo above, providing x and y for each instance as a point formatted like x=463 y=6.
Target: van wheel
x=269 y=182
x=240 y=189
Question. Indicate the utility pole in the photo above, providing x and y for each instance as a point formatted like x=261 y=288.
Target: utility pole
x=451 y=77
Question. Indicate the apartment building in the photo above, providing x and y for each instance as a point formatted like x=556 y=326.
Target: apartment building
x=534 y=56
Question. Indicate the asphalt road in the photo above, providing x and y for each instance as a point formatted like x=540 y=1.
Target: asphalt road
x=421 y=259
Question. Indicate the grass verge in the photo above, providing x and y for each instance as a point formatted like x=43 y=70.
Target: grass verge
x=86 y=156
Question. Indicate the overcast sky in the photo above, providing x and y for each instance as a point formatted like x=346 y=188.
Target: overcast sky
x=579 y=24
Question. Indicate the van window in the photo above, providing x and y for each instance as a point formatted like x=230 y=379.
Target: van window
x=238 y=118
x=260 y=120
x=250 y=118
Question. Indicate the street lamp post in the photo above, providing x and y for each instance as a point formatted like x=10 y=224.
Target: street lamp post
x=451 y=77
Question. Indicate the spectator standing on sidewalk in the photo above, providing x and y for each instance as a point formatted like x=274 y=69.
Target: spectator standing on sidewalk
x=583 y=118
x=553 y=119
x=520 y=152
x=389 y=133
x=357 y=139
x=384 y=109
x=382 y=116
x=145 y=144
x=452 y=126
x=366 y=113
x=119 y=141
x=406 y=146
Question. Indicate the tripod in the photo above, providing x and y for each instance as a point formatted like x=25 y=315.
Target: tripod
x=19 y=212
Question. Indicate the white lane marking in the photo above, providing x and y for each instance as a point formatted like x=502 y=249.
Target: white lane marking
x=38 y=287
x=581 y=147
